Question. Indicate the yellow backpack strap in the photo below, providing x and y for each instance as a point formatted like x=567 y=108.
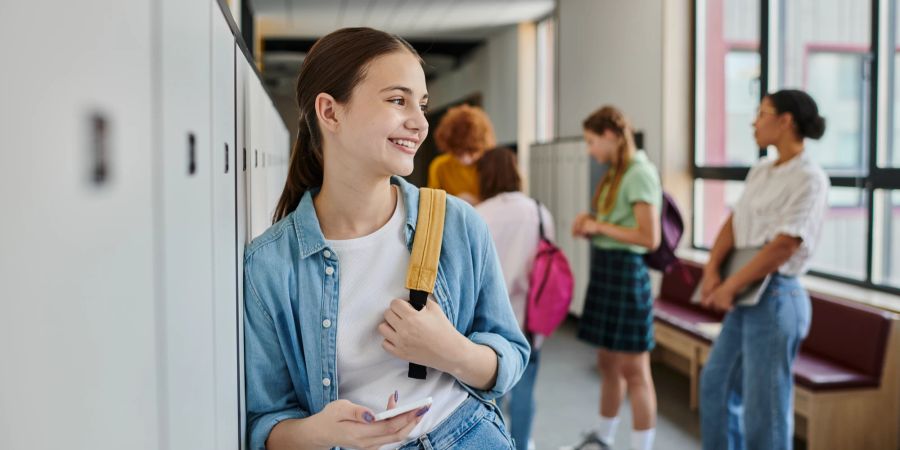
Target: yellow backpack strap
x=426 y=251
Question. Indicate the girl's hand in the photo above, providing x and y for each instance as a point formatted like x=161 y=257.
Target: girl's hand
x=720 y=299
x=347 y=425
x=579 y=224
x=711 y=280
x=424 y=337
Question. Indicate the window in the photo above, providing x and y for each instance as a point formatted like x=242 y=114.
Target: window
x=727 y=91
x=833 y=50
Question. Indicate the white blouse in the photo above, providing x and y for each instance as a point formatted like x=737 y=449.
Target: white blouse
x=789 y=199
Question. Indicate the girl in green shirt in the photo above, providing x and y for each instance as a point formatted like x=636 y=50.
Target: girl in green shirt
x=618 y=309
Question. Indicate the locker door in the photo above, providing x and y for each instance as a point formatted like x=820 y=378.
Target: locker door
x=257 y=178
x=78 y=322
x=186 y=223
x=241 y=73
x=225 y=251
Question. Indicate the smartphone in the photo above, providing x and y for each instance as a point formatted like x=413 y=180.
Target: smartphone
x=396 y=411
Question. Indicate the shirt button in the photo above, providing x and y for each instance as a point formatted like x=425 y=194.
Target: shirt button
x=326 y=382
x=326 y=323
x=327 y=254
x=329 y=270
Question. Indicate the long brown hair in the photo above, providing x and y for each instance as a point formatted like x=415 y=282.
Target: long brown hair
x=498 y=172
x=611 y=118
x=335 y=64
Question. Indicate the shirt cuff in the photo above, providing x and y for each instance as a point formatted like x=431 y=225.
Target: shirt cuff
x=510 y=363
x=263 y=427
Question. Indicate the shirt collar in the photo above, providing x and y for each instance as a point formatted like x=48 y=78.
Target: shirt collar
x=799 y=160
x=309 y=231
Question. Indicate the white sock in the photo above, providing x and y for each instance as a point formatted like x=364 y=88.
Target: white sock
x=643 y=439
x=606 y=430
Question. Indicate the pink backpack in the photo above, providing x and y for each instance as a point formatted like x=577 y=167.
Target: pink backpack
x=550 y=286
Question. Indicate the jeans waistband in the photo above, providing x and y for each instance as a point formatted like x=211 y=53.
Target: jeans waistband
x=453 y=427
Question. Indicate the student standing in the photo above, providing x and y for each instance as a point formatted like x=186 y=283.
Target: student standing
x=514 y=222
x=464 y=134
x=329 y=332
x=746 y=387
x=618 y=309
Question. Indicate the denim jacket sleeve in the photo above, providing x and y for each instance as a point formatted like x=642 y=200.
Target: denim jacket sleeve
x=494 y=323
x=270 y=394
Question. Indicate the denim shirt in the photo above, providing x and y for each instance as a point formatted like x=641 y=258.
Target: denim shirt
x=291 y=281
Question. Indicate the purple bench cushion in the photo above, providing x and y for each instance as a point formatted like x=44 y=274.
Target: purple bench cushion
x=679 y=283
x=820 y=374
x=683 y=317
x=849 y=335
x=845 y=347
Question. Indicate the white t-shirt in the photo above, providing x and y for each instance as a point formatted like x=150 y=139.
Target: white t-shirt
x=513 y=221
x=789 y=199
x=372 y=273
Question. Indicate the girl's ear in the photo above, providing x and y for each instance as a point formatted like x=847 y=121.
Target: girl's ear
x=787 y=121
x=326 y=111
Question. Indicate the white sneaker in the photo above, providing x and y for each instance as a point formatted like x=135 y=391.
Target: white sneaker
x=590 y=441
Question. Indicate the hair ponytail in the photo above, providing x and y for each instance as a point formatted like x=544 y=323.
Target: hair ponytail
x=611 y=118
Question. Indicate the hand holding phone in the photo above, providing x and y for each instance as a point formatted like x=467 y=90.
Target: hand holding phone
x=396 y=411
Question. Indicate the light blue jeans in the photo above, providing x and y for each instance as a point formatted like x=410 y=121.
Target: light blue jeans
x=520 y=403
x=746 y=387
x=474 y=425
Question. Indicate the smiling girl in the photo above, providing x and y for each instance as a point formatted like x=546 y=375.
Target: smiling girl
x=329 y=329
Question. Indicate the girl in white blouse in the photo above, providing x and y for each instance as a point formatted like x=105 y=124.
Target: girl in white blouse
x=780 y=211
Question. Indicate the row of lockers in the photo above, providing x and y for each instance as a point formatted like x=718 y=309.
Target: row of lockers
x=560 y=177
x=141 y=153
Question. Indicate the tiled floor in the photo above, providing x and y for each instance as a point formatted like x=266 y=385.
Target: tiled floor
x=568 y=392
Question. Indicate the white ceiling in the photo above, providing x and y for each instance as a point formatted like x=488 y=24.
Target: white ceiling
x=450 y=19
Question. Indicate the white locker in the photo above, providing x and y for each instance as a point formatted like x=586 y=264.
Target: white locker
x=242 y=71
x=187 y=281
x=78 y=354
x=225 y=250
x=257 y=173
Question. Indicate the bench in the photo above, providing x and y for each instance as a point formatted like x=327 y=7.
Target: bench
x=846 y=376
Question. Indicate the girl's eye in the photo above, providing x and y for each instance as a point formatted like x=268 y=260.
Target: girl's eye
x=398 y=101
x=424 y=108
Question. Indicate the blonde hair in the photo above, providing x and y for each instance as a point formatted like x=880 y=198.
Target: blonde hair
x=612 y=119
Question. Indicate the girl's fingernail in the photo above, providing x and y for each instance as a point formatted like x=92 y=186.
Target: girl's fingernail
x=368 y=417
x=423 y=411
x=396 y=395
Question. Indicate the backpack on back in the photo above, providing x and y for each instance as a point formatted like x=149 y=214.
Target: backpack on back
x=671 y=229
x=550 y=286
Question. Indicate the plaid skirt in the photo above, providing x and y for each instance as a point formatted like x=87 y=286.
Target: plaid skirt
x=618 y=307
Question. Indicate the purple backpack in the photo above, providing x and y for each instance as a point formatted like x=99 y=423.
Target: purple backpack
x=672 y=227
x=551 y=285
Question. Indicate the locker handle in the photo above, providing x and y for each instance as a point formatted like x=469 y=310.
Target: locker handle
x=99 y=149
x=226 y=158
x=245 y=159
x=255 y=158
x=192 y=154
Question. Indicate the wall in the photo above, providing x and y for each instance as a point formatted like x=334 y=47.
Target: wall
x=491 y=70
x=610 y=52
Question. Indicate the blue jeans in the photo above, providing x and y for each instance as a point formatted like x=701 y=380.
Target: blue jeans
x=749 y=370
x=474 y=425
x=521 y=403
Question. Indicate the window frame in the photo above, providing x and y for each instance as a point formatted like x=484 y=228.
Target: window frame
x=882 y=49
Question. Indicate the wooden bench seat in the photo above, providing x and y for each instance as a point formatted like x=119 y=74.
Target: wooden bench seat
x=846 y=375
